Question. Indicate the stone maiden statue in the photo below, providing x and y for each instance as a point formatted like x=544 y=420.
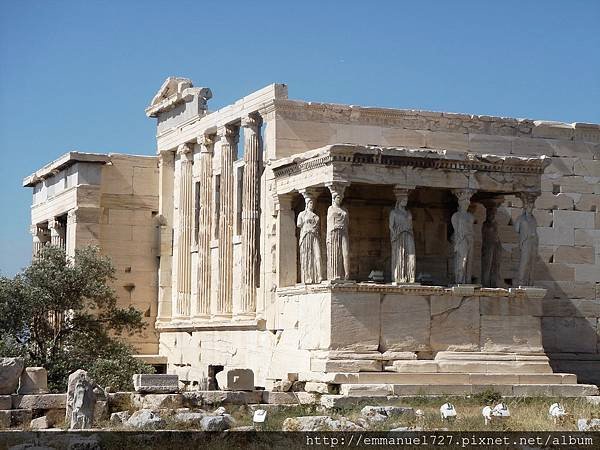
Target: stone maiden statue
x=337 y=236
x=310 y=251
x=526 y=226
x=402 y=239
x=462 y=222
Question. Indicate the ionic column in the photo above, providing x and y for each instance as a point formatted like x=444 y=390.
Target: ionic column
x=250 y=212
x=70 y=234
x=39 y=239
x=185 y=231
x=228 y=137
x=57 y=233
x=204 y=226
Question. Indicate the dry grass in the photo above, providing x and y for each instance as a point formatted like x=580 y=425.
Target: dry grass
x=527 y=414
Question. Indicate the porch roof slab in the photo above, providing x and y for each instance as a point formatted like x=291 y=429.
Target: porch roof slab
x=408 y=167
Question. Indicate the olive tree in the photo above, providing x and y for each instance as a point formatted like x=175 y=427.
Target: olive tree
x=61 y=313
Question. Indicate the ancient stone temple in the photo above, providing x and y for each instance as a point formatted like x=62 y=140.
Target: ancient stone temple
x=110 y=201
x=378 y=250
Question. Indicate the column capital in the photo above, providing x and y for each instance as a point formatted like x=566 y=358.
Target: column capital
x=528 y=198
x=72 y=216
x=206 y=142
x=309 y=193
x=54 y=223
x=166 y=158
x=252 y=121
x=492 y=202
x=284 y=201
x=463 y=194
x=402 y=191
x=185 y=149
x=337 y=188
x=228 y=132
x=35 y=230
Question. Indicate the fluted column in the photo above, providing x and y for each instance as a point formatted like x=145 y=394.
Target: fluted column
x=204 y=226
x=250 y=211
x=229 y=138
x=39 y=239
x=57 y=233
x=185 y=230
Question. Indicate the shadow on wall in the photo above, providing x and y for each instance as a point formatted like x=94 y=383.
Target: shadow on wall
x=569 y=313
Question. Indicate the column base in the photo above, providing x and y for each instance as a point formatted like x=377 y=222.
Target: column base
x=201 y=317
x=220 y=316
x=245 y=316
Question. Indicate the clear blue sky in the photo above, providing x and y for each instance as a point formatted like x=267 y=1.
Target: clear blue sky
x=78 y=74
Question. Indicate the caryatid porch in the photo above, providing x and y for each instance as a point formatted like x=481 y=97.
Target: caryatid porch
x=368 y=197
x=356 y=322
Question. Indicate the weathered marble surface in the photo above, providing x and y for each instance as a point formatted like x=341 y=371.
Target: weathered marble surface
x=10 y=372
x=526 y=226
x=403 y=241
x=491 y=251
x=309 y=244
x=462 y=239
x=82 y=394
x=338 y=260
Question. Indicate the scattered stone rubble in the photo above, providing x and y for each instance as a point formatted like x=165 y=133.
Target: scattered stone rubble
x=192 y=409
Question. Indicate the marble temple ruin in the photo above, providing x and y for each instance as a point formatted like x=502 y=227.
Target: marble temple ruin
x=380 y=251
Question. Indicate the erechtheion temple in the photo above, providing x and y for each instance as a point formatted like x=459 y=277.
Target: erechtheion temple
x=362 y=250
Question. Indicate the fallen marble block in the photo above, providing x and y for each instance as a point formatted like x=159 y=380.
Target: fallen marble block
x=156 y=383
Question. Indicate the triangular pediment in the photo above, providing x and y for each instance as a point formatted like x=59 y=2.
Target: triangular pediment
x=171 y=86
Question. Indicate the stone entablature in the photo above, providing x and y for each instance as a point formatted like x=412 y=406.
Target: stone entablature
x=411 y=289
x=410 y=167
x=61 y=163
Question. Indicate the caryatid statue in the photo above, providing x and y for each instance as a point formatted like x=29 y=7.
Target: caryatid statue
x=491 y=247
x=526 y=226
x=402 y=239
x=337 y=235
x=462 y=239
x=309 y=244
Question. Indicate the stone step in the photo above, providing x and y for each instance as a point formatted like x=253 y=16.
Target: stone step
x=489 y=356
x=442 y=378
x=507 y=390
x=466 y=366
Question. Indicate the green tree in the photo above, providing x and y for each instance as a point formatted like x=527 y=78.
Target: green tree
x=62 y=314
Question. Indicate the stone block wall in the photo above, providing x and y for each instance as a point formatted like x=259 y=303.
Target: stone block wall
x=367 y=321
x=128 y=233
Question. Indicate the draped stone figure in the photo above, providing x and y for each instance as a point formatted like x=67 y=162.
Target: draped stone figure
x=82 y=394
x=526 y=226
x=402 y=239
x=310 y=250
x=337 y=237
x=491 y=247
x=462 y=239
